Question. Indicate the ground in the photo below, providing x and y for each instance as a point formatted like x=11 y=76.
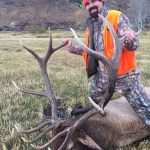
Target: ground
x=67 y=76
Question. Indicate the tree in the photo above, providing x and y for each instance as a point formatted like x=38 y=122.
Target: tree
x=139 y=12
x=77 y=2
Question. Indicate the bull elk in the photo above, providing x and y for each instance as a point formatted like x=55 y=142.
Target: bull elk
x=112 y=125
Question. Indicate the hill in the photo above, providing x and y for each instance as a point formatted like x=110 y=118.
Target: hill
x=19 y=15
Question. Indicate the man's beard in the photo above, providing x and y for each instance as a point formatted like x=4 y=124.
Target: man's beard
x=94 y=14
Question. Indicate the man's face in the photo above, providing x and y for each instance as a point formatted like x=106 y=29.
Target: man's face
x=93 y=7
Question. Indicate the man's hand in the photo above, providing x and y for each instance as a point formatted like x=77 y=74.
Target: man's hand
x=72 y=49
x=68 y=42
x=130 y=36
x=131 y=40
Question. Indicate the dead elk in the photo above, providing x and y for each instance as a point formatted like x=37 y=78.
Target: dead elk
x=120 y=127
x=97 y=129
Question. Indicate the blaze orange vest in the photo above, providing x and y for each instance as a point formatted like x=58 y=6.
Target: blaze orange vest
x=127 y=60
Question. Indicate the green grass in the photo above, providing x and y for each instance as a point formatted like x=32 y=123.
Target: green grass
x=67 y=76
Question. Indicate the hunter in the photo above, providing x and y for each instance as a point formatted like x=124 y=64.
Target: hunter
x=99 y=39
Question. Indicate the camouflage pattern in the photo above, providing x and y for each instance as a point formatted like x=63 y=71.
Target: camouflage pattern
x=138 y=98
x=129 y=86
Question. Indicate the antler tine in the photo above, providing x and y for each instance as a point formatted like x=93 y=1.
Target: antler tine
x=28 y=92
x=51 y=141
x=101 y=111
x=40 y=135
x=58 y=47
x=138 y=32
x=34 y=129
x=50 y=48
x=31 y=51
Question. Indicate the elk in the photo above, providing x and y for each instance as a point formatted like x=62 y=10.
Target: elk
x=111 y=125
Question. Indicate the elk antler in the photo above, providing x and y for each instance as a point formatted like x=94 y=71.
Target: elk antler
x=112 y=67
x=53 y=122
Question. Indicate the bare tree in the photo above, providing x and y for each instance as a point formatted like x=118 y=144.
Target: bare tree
x=139 y=11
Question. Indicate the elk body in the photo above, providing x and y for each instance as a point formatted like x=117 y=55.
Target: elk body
x=112 y=124
x=120 y=127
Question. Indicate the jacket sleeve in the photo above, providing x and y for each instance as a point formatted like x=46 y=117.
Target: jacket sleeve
x=76 y=50
x=123 y=26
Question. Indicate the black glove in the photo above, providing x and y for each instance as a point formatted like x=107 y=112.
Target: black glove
x=77 y=110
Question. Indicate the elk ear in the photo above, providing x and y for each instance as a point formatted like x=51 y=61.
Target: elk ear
x=88 y=141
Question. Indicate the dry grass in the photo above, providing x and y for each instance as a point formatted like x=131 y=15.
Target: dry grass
x=67 y=75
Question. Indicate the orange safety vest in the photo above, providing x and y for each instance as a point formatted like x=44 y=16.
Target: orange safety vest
x=127 y=60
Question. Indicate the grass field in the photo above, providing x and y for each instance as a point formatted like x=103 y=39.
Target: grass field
x=67 y=76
